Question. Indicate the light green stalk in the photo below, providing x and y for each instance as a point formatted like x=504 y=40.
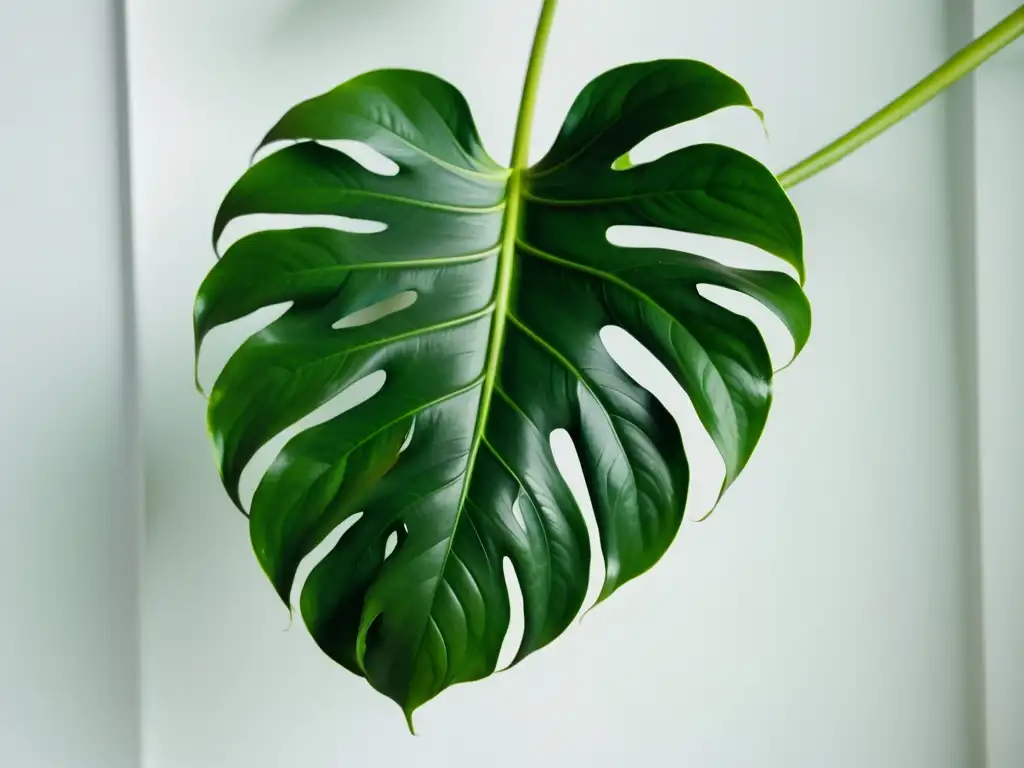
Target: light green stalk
x=524 y=125
x=963 y=62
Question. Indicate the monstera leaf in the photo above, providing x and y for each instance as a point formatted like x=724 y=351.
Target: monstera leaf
x=514 y=279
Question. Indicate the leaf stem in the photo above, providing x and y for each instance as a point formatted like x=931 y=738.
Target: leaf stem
x=963 y=62
x=507 y=254
x=524 y=123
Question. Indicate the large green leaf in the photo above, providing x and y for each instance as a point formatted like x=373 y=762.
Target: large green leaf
x=514 y=279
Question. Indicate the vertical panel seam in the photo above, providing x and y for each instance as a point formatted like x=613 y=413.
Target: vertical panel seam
x=961 y=148
x=131 y=436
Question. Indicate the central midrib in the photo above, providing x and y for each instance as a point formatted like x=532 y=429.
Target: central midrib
x=506 y=257
x=506 y=266
x=495 y=341
x=502 y=293
x=510 y=234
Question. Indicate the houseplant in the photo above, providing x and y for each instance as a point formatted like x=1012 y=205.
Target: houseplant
x=511 y=281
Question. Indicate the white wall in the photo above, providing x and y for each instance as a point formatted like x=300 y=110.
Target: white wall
x=820 y=618
x=1000 y=277
x=68 y=477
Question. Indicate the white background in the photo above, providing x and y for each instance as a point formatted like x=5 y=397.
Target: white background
x=69 y=511
x=999 y=157
x=830 y=613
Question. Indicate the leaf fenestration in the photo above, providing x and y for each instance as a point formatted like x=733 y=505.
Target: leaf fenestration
x=514 y=279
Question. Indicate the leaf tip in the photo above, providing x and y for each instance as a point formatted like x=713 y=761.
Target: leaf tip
x=705 y=516
x=721 y=492
x=408 y=720
x=195 y=371
x=605 y=594
x=764 y=123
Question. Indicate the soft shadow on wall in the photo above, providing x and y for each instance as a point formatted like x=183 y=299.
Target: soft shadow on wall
x=301 y=18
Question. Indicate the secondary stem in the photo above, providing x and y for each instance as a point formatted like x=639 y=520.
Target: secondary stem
x=524 y=124
x=967 y=59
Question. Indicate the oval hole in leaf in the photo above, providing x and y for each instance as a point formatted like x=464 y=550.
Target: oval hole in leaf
x=257 y=222
x=408 y=436
x=729 y=253
x=224 y=340
x=516 y=622
x=365 y=155
x=390 y=544
x=707 y=468
x=567 y=459
x=738 y=127
x=349 y=398
x=776 y=337
x=376 y=311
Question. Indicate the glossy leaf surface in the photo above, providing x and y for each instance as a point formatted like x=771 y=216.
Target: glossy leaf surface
x=514 y=279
